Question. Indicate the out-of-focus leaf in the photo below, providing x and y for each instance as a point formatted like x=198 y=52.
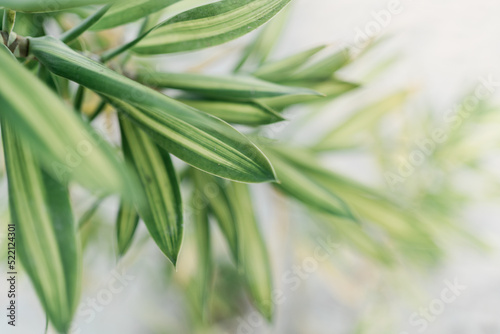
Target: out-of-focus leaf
x=259 y=50
x=46 y=240
x=324 y=68
x=162 y=212
x=126 y=224
x=346 y=134
x=204 y=271
x=91 y=20
x=221 y=87
x=199 y=139
x=209 y=25
x=298 y=184
x=358 y=237
x=331 y=89
x=65 y=145
x=232 y=206
x=37 y=6
x=253 y=257
x=213 y=195
x=282 y=69
x=239 y=113
x=126 y=12
x=407 y=230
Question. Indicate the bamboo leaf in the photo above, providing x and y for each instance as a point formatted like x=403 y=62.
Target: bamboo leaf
x=406 y=229
x=162 y=212
x=345 y=134
x=37 y=6
x=126 y=12
x=203 y=279
x=67 y=148
x=209 y=25
x=45 y=233
x=258 y=51
x=324 y=68
x=211 y=190
x=76 y=31
x=222 y=87
x=195 y=137
x=231 y=204
x=330 y=89
x=282 y=69
x=240 y=113
x=253 y=255
x=295 y=182
x=126 y=224
x=171 y=11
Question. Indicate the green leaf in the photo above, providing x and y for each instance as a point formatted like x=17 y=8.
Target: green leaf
x=37 y=6
x=258 y=51
x=348 y=132
x=46 y=240
x=282 y=69
x=126 y=224
x=406 y=228
x=213 y=195
x=204 y=268
x=76 y=31
x=222 y=87
x=67 y=147
x=209 y=25
x=330 y=89
x=239 y=113
x=357 y=236
x=253 y=256
x=130 y=11
x=147 y=28
x=324 y=68
x=197 y=138
x=297 y=183
x=231 y=204
x=162 y=212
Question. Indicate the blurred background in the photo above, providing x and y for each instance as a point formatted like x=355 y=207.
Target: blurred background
x=444 y=57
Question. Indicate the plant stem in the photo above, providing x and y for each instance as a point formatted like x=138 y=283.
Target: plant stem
x=80 y=93
x=76 y=31
x=97 y=111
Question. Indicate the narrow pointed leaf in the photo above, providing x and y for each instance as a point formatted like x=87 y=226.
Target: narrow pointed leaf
x=238 y=113
x=209 y=25
x=258 y=51
x=253 y=255
x=162 y=212
x=126 y=224
x=46 y=240
x=282 y=69
x=67 y=147
x=199 y=139
x=370 y=206
x=323 y=69
x=331 y=89
x=213 y=195
x=37 y=6
x=298 y=184
x=232 y=206
x=204 y=276
x=221 y=87
x=76 y=31
x=347 y=133
x=126 y=12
